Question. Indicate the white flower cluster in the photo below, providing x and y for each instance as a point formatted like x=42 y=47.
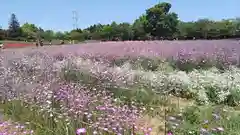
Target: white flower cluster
x=204 y=85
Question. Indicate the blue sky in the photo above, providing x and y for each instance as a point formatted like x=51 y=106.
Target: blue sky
x=57 y=14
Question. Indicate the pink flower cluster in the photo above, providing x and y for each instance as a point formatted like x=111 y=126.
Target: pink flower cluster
x=89 y=105
x=9 y=128
x=97 y=108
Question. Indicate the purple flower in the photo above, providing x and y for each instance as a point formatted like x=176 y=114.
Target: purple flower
x=169 y=133
x=80 y=131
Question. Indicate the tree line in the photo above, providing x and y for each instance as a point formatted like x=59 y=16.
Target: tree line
x=155 y=24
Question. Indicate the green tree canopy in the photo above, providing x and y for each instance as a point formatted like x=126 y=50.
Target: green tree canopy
x=14 y=30
x=160 y=22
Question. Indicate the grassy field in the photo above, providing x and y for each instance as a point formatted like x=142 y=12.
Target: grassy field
x=126 y=88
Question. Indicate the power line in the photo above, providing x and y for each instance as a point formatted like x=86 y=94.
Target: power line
x=75 y=19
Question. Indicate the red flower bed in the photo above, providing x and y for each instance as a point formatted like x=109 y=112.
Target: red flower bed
x=17 y=45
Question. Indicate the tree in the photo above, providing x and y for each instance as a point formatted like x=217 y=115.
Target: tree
x=66 y=35
x=29 y=31
x=75 y=35
x=107 y=32
x=2 y=34
x=138 y=28
x=60 y=35
x=95 y=28
x=156 y=23
x=161 y=23
x=125 y=31
x=187 y=30
x=114 y=31
x=236 y=24
x=14 y=30
x=96 y=35
x=95 y=31
x=86 y=35
x=48 y=35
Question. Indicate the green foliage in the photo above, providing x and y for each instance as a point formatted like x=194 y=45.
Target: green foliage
x=2 y=34
x=208 y=120
x=139 y=28
x=59 y=35
x=49 y=35
x=156 y=23
x=119 y=62
x=29 y=31
x=14 y=30
x=187 y=121
x=209 y=29
x=42 y=122
x=74 y=35
x=143 y=63
x=161 y=23
x=191 y=114
x=78 y=76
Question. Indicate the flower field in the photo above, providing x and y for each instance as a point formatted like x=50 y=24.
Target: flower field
x=17 y=45
x=123 y=88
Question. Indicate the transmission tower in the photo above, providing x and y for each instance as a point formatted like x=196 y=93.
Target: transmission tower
x=75 y=22
x=75 y=19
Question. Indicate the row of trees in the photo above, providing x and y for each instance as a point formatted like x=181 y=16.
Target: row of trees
x=157 y=23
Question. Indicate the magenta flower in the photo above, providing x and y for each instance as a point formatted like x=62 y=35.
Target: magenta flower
x=169 y=133
x=80 y=131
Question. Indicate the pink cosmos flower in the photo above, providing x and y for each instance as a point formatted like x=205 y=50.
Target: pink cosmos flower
x=170 y=133
x=81 y=131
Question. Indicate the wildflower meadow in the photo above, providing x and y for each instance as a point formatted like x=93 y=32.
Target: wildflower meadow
x=121 y=88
